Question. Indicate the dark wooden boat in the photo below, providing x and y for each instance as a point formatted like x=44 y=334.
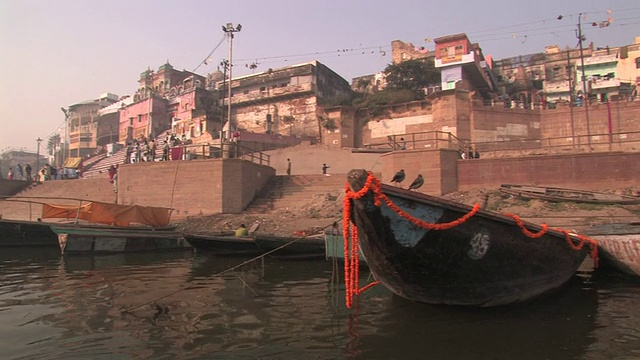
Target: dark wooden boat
x=477 y=258
x=311 y=247
x=619 y=245
x=100 y=240
x=16 y=233
x=222 y=243
x=561 y=194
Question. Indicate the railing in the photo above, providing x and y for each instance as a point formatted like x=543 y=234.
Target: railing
x=420 y=140
x=226 y=150
x=623 y=141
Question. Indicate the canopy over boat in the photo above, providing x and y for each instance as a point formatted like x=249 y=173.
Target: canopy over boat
x=110 y=214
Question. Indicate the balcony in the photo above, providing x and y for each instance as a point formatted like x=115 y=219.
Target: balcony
x=604 y=83
x=270 y=95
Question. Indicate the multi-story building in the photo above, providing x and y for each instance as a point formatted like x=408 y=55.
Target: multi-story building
x=170 y=99
x=600 y=74
x=520 y=79
x=461 y=61
x=83 y=123
x=284 y=101
x=629 y=69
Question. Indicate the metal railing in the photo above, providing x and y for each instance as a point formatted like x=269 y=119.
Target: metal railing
x=225 y=150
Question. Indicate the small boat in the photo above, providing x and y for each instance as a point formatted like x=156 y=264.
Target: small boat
x=102 y=240
x=619 y=245
x=334 y=246
x=225 y=243
x=436 y=251
x=298 y=247
x=17 y=233
x=561 y=194
x=114 y=228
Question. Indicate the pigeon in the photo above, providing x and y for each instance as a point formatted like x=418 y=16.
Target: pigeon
x=417 y=182
x=398 y=177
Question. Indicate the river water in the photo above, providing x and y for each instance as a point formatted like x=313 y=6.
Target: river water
x=176 y=306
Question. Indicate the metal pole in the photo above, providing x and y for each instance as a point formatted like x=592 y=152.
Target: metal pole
x=229 y=29
x=569 y=70
x=38 y=159
x=584 y=82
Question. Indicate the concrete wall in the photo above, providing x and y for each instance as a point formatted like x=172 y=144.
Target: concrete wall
x=193 y=187
x=594 y=171
x=438 y=167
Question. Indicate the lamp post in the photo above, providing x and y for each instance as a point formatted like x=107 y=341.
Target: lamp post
x=225 y=66
x=229 y=30
x=65 y=149
x=38 y=159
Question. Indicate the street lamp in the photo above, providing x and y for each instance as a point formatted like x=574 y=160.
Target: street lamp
x=66 y=149
x=229 y=30
x=38 y=159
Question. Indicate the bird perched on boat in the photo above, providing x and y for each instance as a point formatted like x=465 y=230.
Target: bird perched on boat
x=418 y=182
x=398 y=177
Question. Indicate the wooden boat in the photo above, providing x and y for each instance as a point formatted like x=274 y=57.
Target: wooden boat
x=435 y=251
x=114 y=228
x=311 y=247
x=223 y=243
x=334 y=246
x=561 y=194
x=15 y=233
x=87 y=239
x=619 y=245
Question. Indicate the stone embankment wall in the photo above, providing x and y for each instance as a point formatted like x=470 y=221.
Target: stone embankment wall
x=195 y=187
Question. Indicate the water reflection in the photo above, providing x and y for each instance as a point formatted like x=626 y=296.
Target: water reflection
x=183 y=305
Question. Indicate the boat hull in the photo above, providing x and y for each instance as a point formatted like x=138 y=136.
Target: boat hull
x=104 y=241
x=291 y=247
x=484 y=261
x=220 y=244
x=18 y=233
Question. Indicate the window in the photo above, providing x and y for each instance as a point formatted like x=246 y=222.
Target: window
x=638 y=63
x=556 y=72
x=139 y=118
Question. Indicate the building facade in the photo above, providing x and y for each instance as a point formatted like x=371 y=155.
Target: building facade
x=83 y=122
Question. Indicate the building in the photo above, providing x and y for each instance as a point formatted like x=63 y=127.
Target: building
x=284 y=101
x=520 y=79
x=83 y=123
x=460 y=61
x=170 y=99
x=10 y=158
x=600 y=72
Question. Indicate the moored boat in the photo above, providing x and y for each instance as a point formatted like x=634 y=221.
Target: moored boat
x=334 y=246
x=222 y=243
x=299 y=247
x=435 y=251
x=18 y=233
x=97 y=240
x=563 y=194
x=619 y=245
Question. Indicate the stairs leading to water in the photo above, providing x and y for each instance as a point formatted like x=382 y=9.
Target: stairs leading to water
x=287 y=193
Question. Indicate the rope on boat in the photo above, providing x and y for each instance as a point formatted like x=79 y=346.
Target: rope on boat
x=190 y=287
x=352 y=260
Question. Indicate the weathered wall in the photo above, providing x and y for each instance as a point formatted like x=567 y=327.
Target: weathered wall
x=193 y=187
x=493 y=124
x=594 y=171
x=438 y=167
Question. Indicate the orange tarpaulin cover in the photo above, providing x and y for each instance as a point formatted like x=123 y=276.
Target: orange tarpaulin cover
x=110 y=214
x=72 y=162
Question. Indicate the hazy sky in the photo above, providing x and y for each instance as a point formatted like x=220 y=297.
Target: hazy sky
x=57 y=53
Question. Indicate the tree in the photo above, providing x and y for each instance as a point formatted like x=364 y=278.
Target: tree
x=52 y=143
x=413 y=75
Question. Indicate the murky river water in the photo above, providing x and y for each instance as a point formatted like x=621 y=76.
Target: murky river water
x=74 y=308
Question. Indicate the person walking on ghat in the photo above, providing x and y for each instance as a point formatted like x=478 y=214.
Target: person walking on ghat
x=324 y=169
x=288 y=166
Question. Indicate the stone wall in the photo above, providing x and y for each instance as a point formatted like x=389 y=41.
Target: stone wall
x=438 y=168
x=594 y=171
x=193 y=187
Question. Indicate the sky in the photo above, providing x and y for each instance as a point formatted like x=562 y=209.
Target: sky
x=57 y=53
